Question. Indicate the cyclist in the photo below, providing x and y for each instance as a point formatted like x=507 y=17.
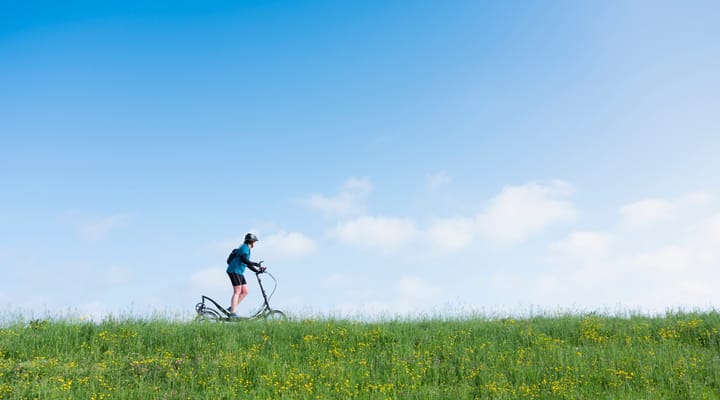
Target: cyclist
x=236 y=269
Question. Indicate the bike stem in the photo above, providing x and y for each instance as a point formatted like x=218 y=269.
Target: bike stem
x=262 y=289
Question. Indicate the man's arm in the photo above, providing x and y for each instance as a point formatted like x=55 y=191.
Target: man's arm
x=252 y=265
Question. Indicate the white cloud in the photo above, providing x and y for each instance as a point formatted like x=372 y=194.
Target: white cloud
x=95 y=227
x=410 y=294
x=586 y=245
x=519 y=211
x=209 y=280
x=511 y=216
x=701 y=290
x=648 y=213
x=549 y=285
x=673 y=265
x=667 y=259
x=711 y=229
x=413 y=290
x=381 y=232
x=438 y=180
x=514 y=214
x=101 y=227
x=645 y=213
x=452 y=234
x=677 y=291
x=696 y=198
x=288 y=244
x=349 y=201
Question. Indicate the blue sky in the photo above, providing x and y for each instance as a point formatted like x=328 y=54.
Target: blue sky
x=393 y=157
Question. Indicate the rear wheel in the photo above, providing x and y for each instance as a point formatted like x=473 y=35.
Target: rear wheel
x=207 y=315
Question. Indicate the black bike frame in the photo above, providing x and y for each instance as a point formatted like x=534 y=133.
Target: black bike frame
x=218 y=306
x=262 y=289
x=263 y=311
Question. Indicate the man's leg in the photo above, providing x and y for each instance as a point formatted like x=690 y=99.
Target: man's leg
x=239 y=293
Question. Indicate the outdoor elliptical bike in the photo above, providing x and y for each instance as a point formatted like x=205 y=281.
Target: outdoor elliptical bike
x=212 y=311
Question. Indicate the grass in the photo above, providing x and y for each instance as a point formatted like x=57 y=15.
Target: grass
x=676 y=356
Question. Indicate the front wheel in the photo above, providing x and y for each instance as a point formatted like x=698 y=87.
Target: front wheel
x=275 y=315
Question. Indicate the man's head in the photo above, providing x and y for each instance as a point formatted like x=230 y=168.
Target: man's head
x=250 y=239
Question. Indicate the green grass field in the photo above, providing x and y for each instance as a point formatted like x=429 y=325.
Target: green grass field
x=676 y=356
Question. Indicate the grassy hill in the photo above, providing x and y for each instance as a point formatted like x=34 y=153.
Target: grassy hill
x=676 y=356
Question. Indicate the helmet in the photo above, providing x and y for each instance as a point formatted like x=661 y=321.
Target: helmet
x=249 y=238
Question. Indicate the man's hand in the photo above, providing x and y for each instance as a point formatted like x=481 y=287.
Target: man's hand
x=262 y=269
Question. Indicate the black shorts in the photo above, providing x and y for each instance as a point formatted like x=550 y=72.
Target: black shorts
x=237 y=279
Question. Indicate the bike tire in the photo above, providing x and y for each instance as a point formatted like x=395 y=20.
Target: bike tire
x=275 y=315
x=209 y=316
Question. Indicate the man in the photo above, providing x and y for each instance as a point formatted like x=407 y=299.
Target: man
x=236 y=269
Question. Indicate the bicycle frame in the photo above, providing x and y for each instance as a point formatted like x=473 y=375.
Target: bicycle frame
x=216 y=312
